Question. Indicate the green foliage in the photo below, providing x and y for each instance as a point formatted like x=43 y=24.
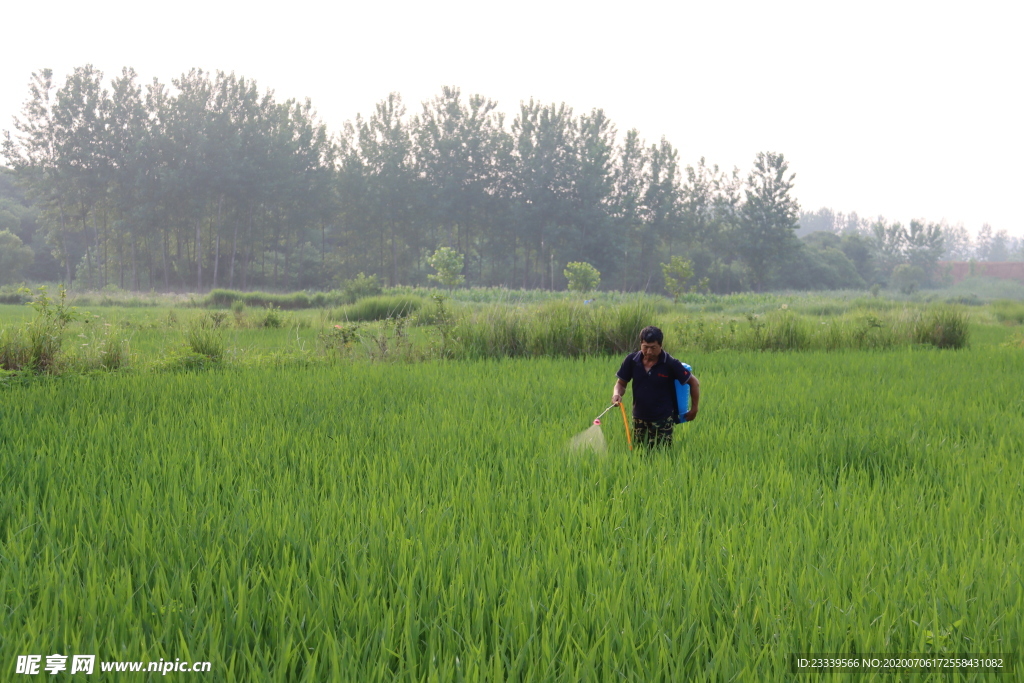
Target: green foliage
x=378 y=308
x=907 y=278
x=676 y=272
x=360 y=287
x=15 y=257
x=582 y=277
x=446 y=322
x=448 y=264
x=819 y=262
x=11 y=294
x=768 y=217
x=271 y=318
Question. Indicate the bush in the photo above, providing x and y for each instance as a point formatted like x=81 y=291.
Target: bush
x=582 y=276
x=360 y=287
x=272 y=318
x=907 y=278
x=12 y=294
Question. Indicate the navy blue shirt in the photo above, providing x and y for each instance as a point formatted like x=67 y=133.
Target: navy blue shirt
x=654 y=391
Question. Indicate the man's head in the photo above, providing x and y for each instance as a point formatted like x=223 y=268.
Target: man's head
x=650 y=343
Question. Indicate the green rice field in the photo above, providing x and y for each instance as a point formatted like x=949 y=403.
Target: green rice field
x=357 y=521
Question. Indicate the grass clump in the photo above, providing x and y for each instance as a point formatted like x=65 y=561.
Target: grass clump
x=226 y=298
x=37 y=346
x=556 y=328
x=945 y=328
x=377 y=308
x=203 y=338
x=1007 y=311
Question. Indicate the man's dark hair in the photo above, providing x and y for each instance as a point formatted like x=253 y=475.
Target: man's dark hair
x=651 y=334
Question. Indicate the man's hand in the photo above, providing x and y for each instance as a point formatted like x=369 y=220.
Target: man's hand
x=690 y=416
x=616 y=399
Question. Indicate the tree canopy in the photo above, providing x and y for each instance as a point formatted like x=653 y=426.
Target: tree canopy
x=210 y=181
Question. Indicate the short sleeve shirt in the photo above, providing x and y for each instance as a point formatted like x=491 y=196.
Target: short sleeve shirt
x=654 y=391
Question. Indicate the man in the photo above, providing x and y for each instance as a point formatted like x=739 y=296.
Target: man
x=653 y=372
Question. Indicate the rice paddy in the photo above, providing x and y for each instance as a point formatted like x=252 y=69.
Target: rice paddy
x=429 y=521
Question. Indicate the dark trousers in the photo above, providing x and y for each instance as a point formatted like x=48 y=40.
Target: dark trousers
x=653 y=433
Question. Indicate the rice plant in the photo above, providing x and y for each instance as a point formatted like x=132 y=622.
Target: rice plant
x=380 y=522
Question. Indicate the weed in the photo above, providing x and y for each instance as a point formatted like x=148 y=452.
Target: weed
x=202 y=338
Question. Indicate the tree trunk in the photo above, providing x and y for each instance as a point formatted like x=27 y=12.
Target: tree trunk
x=163 y=250
x=216 y=260
x=88 y=257
x=199 y=256
x=216 y=248
x=64 y=248
x=106 y=257
x=234 y=246
x=394 y=256
x=135 y=267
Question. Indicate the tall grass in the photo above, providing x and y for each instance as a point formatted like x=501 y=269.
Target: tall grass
x=784 y=330
x=377 y=308
x=556 y=328
x=1009 y=311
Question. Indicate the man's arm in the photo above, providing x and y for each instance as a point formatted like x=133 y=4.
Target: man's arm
x=694 y=398
x=618 y=391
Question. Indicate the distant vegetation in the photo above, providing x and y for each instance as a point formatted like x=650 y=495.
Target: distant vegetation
x=58 y=334
x=208 y=183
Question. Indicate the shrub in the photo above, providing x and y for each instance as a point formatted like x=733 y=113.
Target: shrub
x=907 y=278
x=272 y=318
x=11 y=294
x=582 y=277
x=360 y=287
x=448 y=264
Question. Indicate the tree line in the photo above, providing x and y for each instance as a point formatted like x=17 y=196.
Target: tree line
x=209 y=182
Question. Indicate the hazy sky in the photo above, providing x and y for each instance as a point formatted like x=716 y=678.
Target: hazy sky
x=906 y=109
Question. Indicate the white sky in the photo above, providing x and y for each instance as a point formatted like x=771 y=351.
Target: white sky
x=901 y=108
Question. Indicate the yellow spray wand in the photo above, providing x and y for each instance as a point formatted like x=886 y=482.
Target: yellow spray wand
x=625 y=423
